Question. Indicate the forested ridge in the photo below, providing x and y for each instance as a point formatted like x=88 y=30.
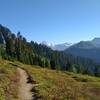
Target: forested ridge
x=16 y=47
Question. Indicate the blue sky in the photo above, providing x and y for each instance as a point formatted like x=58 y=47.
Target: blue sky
x=55 y=21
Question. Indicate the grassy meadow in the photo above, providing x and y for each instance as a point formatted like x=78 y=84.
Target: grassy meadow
x=49 y=84
x=57 y=85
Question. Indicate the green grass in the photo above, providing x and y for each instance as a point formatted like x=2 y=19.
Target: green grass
x=8 y=81
x=50 y=84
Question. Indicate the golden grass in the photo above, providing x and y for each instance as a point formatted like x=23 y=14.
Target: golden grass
x=50 y=84
x=57 y=85
x=8 y=81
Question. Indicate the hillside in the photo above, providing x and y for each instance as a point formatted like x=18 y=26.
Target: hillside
x=49 y=84
x=57 y=85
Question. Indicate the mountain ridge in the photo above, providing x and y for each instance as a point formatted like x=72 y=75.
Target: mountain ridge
x=87 y=49
x=94 y=43
x=58 y=47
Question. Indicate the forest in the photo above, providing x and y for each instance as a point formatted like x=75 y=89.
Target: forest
x=15 y=47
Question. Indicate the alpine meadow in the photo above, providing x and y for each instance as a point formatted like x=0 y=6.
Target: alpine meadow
x=50 y=50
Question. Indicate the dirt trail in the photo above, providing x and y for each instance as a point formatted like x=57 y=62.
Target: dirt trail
x=25 y=87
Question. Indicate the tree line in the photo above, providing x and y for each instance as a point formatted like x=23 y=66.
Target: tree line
x=15 y=47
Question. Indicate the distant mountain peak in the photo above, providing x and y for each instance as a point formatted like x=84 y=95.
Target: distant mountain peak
x=97 y=38
x=46 y=43
x=96 y=41
x=59 y=47
x=67 y=44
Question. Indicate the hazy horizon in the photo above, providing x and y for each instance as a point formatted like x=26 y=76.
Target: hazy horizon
x=54 y=21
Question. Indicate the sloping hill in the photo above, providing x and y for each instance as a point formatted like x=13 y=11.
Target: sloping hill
x=57 y=85
x=49 y=84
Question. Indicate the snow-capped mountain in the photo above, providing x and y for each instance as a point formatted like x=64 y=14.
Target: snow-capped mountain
x=59 y=47
x=46 y=44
